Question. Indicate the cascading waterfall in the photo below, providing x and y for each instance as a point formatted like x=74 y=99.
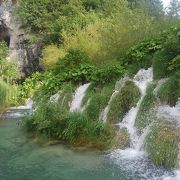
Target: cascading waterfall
x=76 y=104
x=134 y=160
x=141 y=79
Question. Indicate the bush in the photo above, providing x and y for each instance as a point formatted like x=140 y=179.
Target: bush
x=73 y=59
x=138 y=53
x=127 y=97
x=49 y=119
x=108 y=73
x=162 y=144
x=169 y=92
x=144 y=116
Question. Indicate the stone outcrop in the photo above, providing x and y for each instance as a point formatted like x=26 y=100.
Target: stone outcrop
x=27 y=55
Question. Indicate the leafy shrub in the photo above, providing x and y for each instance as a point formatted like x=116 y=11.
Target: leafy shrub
x=48 y=119
x=144 y=116
x=109 y=72
x=30 y=85
x=139 y=52
x=162 y=144
x=126 y=98
x=169 y=92
x=73 y=59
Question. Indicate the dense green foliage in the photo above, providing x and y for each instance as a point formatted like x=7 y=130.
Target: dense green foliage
x=165 y=62
x=162 y=144
x=74 y=68
x=126 y=98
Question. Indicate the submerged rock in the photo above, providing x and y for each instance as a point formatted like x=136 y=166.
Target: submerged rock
x=122 y=139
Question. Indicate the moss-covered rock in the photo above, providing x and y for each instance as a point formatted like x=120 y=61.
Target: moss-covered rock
x=162 y=144
x=127 y=97
x=98 y=100
x=169 y=92
x=145 y=114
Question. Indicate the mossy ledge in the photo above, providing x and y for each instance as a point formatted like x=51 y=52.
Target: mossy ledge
x=145 y=114
x=162 y=144
x=127 y=97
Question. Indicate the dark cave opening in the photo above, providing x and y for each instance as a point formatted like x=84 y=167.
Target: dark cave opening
x=4 y=34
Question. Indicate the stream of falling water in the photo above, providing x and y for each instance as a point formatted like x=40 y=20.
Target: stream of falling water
x=76 y=104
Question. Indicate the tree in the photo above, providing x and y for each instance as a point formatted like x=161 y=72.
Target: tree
x=153 y=8
x=174 y=8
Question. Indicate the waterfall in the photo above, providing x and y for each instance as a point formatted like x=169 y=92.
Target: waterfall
x=141 y=79
x=76 y=104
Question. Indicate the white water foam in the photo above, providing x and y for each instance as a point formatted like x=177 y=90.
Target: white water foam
x=170 y=113
x=76 y=104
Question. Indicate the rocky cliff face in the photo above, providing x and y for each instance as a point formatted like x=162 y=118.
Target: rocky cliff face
x=27 y=55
